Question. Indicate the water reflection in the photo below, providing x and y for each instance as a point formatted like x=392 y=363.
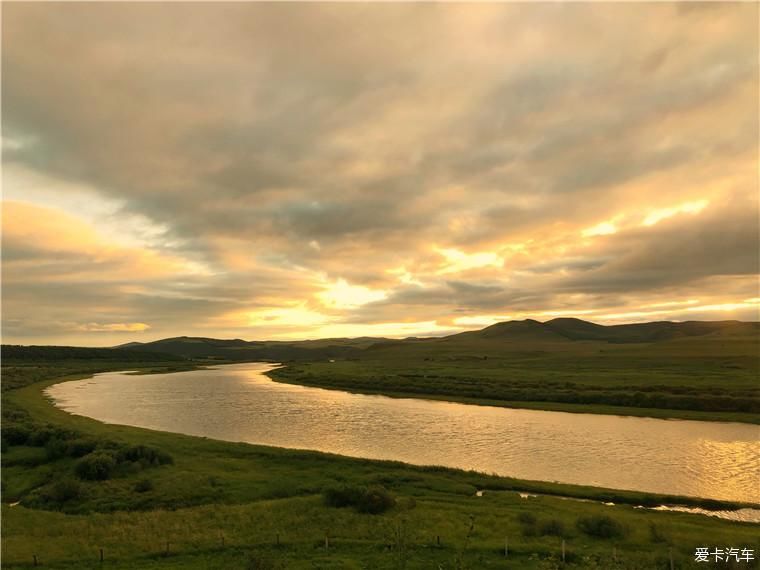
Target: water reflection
x=239 y=403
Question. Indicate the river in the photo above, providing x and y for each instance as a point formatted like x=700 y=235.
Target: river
x=240 y=403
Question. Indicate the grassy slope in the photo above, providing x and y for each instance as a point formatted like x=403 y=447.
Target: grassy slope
x=246 y=495
x=702 y=378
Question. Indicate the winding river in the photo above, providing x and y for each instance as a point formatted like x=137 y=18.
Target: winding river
x=240 y=403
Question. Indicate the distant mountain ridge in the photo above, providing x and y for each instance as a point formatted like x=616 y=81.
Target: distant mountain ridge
x=553 y=331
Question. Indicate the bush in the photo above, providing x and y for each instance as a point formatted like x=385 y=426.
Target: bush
x=372 y=500
x=42 y=434
x=526 y=518
x=80 y=447
x=56 y=448
x=528 y=522
x=601 y=526
x=656 y=535
x=143 y=486
x=64 y=490
x=552 y=527
x=16 y=434
x=96 y=466
x=375 y=500
x=146 y=456
x=342 y=496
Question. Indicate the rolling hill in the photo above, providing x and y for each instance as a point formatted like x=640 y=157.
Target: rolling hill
x=504 y=334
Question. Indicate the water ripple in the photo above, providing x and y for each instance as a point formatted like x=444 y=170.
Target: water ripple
x=238 y=403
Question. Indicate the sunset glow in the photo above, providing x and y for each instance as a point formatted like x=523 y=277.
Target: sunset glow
x=211 y=178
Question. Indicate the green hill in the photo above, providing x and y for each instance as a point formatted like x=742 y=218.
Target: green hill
x=700 y=369
x=506 y=334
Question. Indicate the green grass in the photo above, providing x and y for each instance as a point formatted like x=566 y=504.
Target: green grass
x=701 y=378
x=223 y=505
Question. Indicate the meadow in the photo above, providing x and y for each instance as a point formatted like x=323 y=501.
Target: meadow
x=702 y=378
x=174 y=501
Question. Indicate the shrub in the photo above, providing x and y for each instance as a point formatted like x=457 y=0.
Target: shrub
x=41 y=435
x=409 y=503
x=56 y=448
x=375 y=500
x=552 y=527
x=656 y=535
x=64 y=490
x=96 y=466
x=16 y=434
x=143 y=486
x=80 y=447
x=372 y=500
x=528 y=522
x=601 y=526
x=145 y=455
x=342 y=496
x=526 y=518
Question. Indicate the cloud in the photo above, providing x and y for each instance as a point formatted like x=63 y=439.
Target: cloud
x=113 y=327
x=190 y=165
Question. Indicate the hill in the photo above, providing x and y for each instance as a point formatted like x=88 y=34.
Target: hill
x=705 y=370
x=699 y=370
x=506 y=334
x=241 y=350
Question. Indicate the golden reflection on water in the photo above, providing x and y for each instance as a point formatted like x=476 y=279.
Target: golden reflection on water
x=238 y=403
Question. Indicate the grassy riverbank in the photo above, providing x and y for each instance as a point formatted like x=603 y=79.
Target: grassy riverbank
x=687 y=370
x=701 y=378
x=221 y=504
x=299 y=374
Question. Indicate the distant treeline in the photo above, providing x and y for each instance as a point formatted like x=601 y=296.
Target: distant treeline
x=42 y=353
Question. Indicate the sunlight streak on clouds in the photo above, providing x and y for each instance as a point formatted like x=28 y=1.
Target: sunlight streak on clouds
x=687 y=208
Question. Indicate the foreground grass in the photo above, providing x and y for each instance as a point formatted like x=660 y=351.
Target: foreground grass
x=434 y=532
x=224 y=505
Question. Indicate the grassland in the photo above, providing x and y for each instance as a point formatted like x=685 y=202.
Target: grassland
x=227 y=505
x=710 y=377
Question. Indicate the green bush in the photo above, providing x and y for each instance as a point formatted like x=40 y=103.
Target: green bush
x=342 y=496
x=80 y=447
x=42 y=434
x=526 y=518
x=552 y=527
x=146 y=456
x=529 y=524
x=17 y=434
x=143 y=486
x=375 y=500
x=63 y=490
x=601 y=526
x=56 y=448
x=372 y=500
x=657 y=535
x=96 y=466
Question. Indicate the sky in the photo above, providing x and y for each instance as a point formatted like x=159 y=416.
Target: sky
x=288 y=171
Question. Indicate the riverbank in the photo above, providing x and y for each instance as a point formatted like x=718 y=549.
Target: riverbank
x=659 y=413
x=342 y=375
x=240 y=403
x=250 y=494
